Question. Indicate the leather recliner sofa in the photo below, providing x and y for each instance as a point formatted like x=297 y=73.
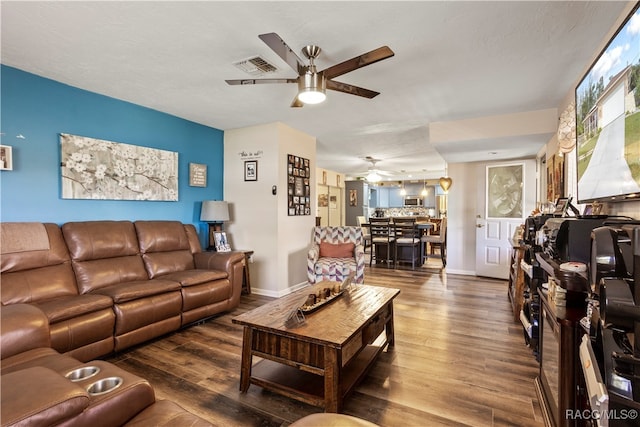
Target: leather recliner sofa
x=108 y=285
x=76 y=292
x=41 y=387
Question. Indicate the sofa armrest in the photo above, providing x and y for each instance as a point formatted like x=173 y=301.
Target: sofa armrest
x=40 y=397
x=232 y=262
x=218 y=260
x=22 y=327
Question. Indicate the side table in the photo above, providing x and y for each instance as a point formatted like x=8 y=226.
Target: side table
x=246 y=278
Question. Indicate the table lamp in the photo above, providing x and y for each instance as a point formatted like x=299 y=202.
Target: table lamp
x=214 y=212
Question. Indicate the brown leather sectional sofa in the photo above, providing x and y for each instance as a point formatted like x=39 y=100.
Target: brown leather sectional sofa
x=104 y=286
x=41 y=387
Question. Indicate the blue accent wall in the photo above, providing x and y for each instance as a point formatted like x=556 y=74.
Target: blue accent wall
x=40 y=109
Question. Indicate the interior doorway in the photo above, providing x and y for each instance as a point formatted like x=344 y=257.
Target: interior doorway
x=330 y=206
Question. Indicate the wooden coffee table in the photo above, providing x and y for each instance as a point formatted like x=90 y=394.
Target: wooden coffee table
x=320 y=361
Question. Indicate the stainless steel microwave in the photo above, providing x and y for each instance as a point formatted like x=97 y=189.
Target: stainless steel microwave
x=413 y=201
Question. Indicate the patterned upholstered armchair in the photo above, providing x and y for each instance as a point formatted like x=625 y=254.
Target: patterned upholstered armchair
x=335 y=252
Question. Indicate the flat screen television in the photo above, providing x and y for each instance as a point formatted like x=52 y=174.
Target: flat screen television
x=608 y=119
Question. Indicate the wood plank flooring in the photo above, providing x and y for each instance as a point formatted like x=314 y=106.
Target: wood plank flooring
x=459 y=360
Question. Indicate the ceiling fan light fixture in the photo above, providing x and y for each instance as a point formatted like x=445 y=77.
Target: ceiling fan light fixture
x=373 y=176
x=312 y=88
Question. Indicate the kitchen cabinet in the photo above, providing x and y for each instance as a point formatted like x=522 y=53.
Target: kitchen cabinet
x=379 y=197
x=383 y=197
x=396 y=200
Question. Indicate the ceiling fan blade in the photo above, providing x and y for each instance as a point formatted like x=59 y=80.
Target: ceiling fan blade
x=283 y=51
x=296 y=102
x=259 y=81
x=351 y=89
x=358 y=62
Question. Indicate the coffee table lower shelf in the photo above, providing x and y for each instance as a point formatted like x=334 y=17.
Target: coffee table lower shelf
x=308 y=387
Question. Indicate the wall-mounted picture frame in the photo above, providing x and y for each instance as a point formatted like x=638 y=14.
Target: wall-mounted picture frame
x=353 y=197
x=96 y=169
x=6 y=157
x=197 y=175
x=298 y=187
x=251 y=170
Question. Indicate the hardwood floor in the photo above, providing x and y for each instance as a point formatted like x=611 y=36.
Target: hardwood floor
x=459 y=359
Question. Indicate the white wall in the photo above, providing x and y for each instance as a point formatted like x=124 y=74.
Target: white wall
x=259 y=220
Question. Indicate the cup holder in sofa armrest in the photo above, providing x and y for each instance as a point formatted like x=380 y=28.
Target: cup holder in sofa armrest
x=40 y=396
x=82 y=373
x=105 y=385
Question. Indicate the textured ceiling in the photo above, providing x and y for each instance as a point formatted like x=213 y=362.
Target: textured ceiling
x=454 y=62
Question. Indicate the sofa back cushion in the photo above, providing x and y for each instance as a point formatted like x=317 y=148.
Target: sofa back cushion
x=35 y=263
x=103 y=253
x=165 y=247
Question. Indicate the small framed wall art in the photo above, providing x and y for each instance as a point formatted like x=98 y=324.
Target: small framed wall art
x=251 y=170
x=197 y=175
x=6 y=158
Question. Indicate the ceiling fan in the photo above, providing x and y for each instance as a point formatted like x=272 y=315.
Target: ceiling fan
x=374 y=174
x=312 y=84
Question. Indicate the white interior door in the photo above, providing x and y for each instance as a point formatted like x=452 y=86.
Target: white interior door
x=500 y=202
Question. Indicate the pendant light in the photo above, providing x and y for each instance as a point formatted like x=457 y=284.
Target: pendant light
x=424 y=187
x=403 y=191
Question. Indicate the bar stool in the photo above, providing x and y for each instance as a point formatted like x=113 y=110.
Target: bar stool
x=407 y=235
x=437 y=240
x=381 y=237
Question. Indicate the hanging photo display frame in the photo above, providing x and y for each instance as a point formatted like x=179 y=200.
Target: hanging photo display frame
x=298 y=187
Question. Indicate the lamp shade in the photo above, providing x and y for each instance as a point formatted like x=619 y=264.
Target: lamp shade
x=214 y=211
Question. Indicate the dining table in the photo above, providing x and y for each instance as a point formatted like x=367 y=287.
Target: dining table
x=425 y=228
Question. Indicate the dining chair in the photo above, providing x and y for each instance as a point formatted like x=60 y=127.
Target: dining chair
x=407 y=235
x=381 y=238
x=366 y=234
x=437 y=240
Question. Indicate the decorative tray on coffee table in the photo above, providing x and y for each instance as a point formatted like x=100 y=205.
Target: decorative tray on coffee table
x=320 y=302
x=323 y=295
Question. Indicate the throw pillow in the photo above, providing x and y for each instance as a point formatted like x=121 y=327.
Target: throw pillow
x=337 y=250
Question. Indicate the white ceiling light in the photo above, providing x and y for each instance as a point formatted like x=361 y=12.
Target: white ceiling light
x=312 y=88
x=373 y=176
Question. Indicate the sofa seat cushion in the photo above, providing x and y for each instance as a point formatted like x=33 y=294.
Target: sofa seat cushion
x=42 y=356
x=40 y=397
x=130 y=291
x=65 y=308
x=335 y=269
x=195 y=277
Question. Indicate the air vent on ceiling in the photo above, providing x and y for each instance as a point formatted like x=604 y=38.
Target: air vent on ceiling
x=255 y=66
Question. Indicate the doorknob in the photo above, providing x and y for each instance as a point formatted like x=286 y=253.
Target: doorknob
x=479 y=225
